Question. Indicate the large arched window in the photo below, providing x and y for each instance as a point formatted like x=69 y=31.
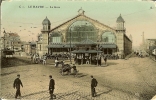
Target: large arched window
x=56 y=37
x=81 y=30
x=108 y=37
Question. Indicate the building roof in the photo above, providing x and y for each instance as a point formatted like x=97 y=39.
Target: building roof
x=127 y=37
x=14 y=34
x=108 y=45
x=46 y=21
x=79 y=16
x=120 y=19
x=60 y=46
x=152 y=39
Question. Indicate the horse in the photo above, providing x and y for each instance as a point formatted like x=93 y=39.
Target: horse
x=66 y=68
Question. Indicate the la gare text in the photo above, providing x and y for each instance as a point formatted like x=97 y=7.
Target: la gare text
x=43 y=6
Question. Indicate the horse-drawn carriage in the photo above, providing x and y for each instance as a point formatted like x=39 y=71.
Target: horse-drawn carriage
x=67 y=68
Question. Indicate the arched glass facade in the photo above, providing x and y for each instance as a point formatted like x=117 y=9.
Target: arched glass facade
x=56 y=37
x=108 y=37
x=81 y=30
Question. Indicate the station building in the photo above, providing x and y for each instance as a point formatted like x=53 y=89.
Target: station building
x=83 y=32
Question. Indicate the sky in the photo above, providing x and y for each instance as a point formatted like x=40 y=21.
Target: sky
x=20 y=17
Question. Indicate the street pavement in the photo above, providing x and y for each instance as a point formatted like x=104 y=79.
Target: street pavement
x=131 y=79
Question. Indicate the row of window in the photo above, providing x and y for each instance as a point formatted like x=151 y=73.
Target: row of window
x=81 y=30
x=105 y=38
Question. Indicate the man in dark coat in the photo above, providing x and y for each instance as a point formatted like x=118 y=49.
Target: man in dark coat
x=17 y=84
x=51 y=87
x=93 y=85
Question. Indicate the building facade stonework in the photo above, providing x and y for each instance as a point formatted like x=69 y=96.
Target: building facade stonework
x=109 y=40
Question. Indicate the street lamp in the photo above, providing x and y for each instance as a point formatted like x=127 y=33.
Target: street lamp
x=70 y=45
x=97 y=53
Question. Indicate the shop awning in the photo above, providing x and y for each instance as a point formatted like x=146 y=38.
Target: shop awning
x=108 y=46
x=152 y=47
x=55 y=46
x=68 y=46
x=86 y=51
x=60 y=46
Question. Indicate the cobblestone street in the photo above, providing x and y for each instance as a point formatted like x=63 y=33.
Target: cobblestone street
x=132 y=79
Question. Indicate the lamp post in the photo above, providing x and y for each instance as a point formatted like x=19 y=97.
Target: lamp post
x=149 y=47
x=70 y=45
x=97 y=53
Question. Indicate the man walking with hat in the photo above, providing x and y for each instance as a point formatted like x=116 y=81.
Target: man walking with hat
x=17 y=84
x=93 y=85
x=51 y=87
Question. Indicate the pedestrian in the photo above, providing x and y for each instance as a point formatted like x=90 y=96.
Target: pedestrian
x=56 y=62
x=87 y=60
x=44 y=59
x=105 y=59
x=51 y=87
x=93 y=85
x=17 y=84
x=99 y=60
x=75 y=71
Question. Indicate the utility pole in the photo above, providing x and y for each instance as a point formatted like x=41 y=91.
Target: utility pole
x=70 y=45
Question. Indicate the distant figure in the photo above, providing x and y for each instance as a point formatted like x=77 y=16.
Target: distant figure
x=51 y=87
x=75 y=71
x=44 y=59
x=63 y=63
x=87 y=60
x=105 y=59
x=32 y=58
x=93 y=85
x=17 y=84
x=56 y=62
x=99 y=60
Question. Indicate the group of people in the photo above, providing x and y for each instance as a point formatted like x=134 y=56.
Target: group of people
x=61 y=56
x=139 y=53
x=17 y=83
x=112 y=56
x=35 y=58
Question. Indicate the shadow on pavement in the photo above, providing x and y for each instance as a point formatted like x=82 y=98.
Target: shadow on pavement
x=105 y=92
x=111 y=63
x=79 y=75
x=35 y=93
x=62 y=95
